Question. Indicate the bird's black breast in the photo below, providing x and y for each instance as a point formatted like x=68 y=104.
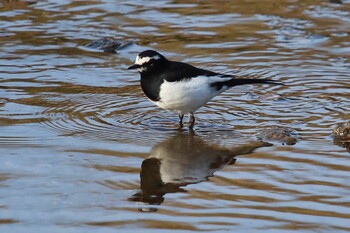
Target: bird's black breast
x=151 y=86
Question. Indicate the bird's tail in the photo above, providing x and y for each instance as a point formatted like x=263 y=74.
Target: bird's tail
x=243 y=81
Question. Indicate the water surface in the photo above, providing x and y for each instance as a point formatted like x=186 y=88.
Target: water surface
x=82 y=149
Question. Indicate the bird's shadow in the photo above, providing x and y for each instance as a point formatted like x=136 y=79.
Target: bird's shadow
x=183 y=159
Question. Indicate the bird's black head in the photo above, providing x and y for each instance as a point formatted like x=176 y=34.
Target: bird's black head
x=148 y=60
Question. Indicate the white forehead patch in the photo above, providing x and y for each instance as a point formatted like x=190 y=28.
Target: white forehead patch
x=140 y=61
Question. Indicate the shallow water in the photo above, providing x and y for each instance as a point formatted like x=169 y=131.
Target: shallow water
x=82 y=149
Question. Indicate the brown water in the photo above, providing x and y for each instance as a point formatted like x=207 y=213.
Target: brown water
x=82 y=149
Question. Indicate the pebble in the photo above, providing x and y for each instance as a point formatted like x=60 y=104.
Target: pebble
x=284 y=135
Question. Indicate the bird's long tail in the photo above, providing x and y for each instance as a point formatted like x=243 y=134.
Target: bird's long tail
x=242 y=81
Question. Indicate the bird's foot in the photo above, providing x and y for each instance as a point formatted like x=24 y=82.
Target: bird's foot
x=181 y=116
x=192 y=121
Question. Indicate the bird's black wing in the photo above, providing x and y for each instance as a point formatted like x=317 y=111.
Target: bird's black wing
x=177 y=71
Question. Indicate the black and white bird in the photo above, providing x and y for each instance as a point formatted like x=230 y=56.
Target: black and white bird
x=180 y=87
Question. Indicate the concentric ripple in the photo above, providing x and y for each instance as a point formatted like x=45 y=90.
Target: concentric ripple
x=106 y=113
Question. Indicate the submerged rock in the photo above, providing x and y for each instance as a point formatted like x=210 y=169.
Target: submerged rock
x=285 y=135
x=344 y=144
x=108 y=45
x=265 y=97
x=341 y=135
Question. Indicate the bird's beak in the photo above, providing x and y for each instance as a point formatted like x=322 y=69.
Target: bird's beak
x=134 y=66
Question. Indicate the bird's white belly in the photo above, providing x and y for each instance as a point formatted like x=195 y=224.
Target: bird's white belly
x=185 y=96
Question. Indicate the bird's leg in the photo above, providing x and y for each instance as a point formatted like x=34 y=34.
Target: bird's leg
x=192 y=121
x=181 y=116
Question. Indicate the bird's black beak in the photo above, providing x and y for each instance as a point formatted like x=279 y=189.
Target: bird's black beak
x=134 y=66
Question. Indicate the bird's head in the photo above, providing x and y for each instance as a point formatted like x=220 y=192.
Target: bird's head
x=148 y=60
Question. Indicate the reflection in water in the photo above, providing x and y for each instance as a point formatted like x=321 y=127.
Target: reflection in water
x=181 y=160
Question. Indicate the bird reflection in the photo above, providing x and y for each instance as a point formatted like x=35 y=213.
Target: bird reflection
x=180 y=160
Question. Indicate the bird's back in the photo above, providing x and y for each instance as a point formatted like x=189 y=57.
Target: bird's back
x=179 y=71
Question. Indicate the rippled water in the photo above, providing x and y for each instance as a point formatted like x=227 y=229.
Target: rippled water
x=82 y=149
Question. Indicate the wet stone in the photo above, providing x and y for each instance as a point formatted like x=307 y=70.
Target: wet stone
x=341 y=135
x=342 y=131
x=284 y=135
x=108 y=45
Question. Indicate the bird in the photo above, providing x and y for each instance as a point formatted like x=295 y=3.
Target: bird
x=181 y=87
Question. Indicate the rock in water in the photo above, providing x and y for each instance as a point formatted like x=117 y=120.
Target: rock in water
x=284 y=135
x=108 y=45
x=341 y=135
x=342 y=131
